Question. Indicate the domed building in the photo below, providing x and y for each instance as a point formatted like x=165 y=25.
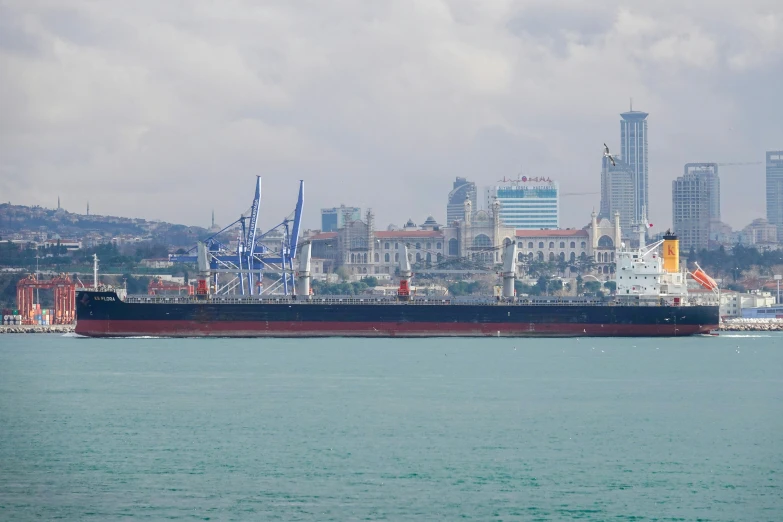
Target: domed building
x=478 y=236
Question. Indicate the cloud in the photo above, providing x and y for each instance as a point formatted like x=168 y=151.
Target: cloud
x=168 y=109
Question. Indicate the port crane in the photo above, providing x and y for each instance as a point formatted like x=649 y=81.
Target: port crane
x=254 y=254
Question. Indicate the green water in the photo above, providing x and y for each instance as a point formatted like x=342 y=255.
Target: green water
x=431 y=429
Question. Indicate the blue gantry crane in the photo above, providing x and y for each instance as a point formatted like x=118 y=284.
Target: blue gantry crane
x=255 y=254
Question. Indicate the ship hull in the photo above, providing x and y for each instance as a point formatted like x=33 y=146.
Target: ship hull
x=104 y=315
x=370 y=329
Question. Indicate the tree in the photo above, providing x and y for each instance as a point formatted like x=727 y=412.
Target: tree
x=561 y=267
x=370 y=281
x=611 y=286
x=580 y=288
x=464 y=288
x=136 y=285
x=543 y=285
x=593 y=288
x=524 y=289
x=342 y=273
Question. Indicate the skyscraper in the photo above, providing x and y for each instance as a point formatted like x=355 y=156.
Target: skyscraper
x=691 y=206
x=455 y=207
x=709 y=171
x=618 y=190
x=775 y=189
x=633 y=150
x=530 y=204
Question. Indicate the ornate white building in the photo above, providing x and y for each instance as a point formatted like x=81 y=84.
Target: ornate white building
x=478 y=236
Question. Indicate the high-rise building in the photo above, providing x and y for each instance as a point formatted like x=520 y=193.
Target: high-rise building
x=633 y=149
x=462 y=190
x=333 y=219
x=775 y=189
x=691 y=210
x=618 y=190
x=709 y=171
x=528 y=204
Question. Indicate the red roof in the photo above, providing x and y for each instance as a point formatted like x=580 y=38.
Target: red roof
x=552 y=233
x=392 y=234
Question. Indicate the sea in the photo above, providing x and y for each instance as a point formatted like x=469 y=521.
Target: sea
x=676 y=429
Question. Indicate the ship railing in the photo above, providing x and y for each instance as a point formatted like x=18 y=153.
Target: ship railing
x=538 y=301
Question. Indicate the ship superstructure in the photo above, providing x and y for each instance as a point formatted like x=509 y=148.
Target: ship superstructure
x=651 y=274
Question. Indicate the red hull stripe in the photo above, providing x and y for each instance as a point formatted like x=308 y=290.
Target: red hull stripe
x=113 y=328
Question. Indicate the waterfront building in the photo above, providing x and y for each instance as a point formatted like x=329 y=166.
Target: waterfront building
x=633 y=149
x=691 y=210
x=775 y=189
x=462 y=190
x=333 y=219
x=477 y=237
x=529 y=203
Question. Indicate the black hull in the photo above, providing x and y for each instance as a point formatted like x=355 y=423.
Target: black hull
x=102 y=314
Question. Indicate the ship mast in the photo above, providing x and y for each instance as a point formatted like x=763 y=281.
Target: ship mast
x=404 y=292
x=304 y=271
x=509 y=273
x=643 y=226
x=202 y=290
x=95 y=270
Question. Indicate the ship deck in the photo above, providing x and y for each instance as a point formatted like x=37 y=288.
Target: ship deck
x=386 y=301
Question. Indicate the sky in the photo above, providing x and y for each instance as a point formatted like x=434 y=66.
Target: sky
x=168 y=110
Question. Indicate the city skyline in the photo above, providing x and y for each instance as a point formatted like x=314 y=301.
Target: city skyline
x=166 y=113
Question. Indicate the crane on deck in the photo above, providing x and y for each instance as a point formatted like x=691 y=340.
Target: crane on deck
x=253 y=257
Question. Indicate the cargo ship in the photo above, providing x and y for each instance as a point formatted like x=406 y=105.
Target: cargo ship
x=651 y=299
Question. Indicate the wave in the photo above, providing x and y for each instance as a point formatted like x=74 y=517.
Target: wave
x=745 y=335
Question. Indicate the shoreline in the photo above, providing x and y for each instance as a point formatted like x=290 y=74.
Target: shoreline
x=37 y=328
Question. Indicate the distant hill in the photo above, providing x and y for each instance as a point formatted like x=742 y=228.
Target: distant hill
x=18 y=220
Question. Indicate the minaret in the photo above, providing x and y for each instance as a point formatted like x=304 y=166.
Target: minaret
x=88 y=208
x=213 y=218
x=496 y=225
x=58 y=202
x=370 y=236
x=496 y=212
x=594 y=228
x=618 y=237
x=465 y=228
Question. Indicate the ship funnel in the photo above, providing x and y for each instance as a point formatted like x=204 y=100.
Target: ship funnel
x=671 y=253
x=304 y=271
x=509 y=272
x=404 y=292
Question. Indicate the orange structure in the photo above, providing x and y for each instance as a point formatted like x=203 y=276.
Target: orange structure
x=157 y=285
x=64 y=298
x=701 y=277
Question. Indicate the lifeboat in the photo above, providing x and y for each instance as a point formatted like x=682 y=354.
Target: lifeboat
x=703 y=279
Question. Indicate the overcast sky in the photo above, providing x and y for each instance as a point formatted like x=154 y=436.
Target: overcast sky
x=166 y=109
